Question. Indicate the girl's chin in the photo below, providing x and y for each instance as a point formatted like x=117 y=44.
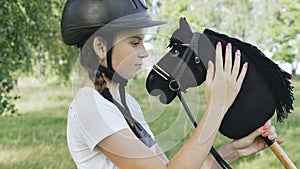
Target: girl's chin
x=131 y=75
x=134 y=75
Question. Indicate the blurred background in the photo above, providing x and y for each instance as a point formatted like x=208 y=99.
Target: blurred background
x=37 y=69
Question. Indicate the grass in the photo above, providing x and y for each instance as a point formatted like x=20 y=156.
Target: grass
x=36 y=138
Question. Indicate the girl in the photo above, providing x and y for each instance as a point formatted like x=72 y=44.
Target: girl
x=106 y=128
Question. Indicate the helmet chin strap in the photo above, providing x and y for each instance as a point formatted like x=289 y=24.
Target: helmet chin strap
x=134 y=125
x=110 y=72
x=115 y=77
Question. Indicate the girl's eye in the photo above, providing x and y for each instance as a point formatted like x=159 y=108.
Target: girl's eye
x=135 y=44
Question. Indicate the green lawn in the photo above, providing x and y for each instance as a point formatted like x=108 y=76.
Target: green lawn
x=35 y=139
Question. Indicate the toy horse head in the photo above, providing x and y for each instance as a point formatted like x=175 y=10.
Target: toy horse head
x=266 y=87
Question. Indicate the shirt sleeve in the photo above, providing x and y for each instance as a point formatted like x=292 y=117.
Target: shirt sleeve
x=97 y=117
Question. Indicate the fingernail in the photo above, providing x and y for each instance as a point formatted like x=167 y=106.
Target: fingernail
x=266 y=127
x=229 y=45
x=219 y=44
x=209 y=63
x=238 y=53
x=246 y=64
x=270 y=137
x=264 y=134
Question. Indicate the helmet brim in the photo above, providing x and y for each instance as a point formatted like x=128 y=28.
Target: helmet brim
x=133 y=21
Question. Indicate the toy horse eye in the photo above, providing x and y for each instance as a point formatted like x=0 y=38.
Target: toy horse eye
x=197 y=60
x=175 y=52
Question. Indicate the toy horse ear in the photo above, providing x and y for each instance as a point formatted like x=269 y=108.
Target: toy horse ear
x=183 y=24
x=184 y=33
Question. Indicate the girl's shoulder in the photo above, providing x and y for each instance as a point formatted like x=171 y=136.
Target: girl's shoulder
x=87 y=95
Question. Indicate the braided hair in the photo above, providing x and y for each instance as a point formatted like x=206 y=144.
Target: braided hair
x=90 y=61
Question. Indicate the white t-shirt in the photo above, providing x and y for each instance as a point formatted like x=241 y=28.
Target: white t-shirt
x=91 y=119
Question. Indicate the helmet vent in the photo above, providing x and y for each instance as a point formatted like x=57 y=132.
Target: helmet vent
x=133 y=4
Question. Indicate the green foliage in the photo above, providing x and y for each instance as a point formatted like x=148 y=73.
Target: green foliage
x=5 y=105
x=12 y=55
x=31 y=44
x=245 y=19
x=286 y=32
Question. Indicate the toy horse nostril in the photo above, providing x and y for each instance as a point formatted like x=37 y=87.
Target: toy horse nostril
x=174 y=85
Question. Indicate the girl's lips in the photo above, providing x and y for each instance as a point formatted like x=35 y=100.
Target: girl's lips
x=138 y=65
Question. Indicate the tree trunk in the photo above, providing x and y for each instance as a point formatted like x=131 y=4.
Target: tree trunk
x=294 y=75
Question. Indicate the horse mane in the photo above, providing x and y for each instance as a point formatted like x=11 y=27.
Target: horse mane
x=277 y=79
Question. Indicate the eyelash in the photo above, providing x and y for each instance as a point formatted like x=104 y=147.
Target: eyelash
x=135 y=43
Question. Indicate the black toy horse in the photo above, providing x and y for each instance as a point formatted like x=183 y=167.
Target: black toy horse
x=266 y=87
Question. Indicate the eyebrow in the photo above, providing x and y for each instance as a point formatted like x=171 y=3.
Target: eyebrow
x=139 y=37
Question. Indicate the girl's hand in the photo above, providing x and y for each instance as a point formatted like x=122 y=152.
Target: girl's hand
x=254 y=142
x=223 y=84
x=248 y=145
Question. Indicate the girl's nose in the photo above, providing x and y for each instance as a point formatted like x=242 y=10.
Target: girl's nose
x=143 y=52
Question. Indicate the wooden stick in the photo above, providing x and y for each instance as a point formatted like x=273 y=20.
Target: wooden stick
x=282 y=156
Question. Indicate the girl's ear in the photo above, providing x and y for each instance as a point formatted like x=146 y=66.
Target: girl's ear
x=100 y=48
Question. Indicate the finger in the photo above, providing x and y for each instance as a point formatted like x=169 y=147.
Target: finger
x=236 y=66
x=242 y=74
x=269 y=131
x=264 y=131
x=281 y=141
x=256 y=133
x=267 y=125
x=210 y=73
x=268 y=122
x=228 y=60
x=272 y=136
x=219 y=59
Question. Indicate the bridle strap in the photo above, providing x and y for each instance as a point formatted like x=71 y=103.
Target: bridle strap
x=192 y=47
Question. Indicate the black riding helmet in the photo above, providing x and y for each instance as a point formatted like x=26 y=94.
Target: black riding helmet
x=80 y=19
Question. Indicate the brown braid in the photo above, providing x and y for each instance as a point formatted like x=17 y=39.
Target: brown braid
x=99 y=83
x=90 y=61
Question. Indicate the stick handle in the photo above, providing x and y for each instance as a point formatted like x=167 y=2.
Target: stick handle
x=282 y=156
